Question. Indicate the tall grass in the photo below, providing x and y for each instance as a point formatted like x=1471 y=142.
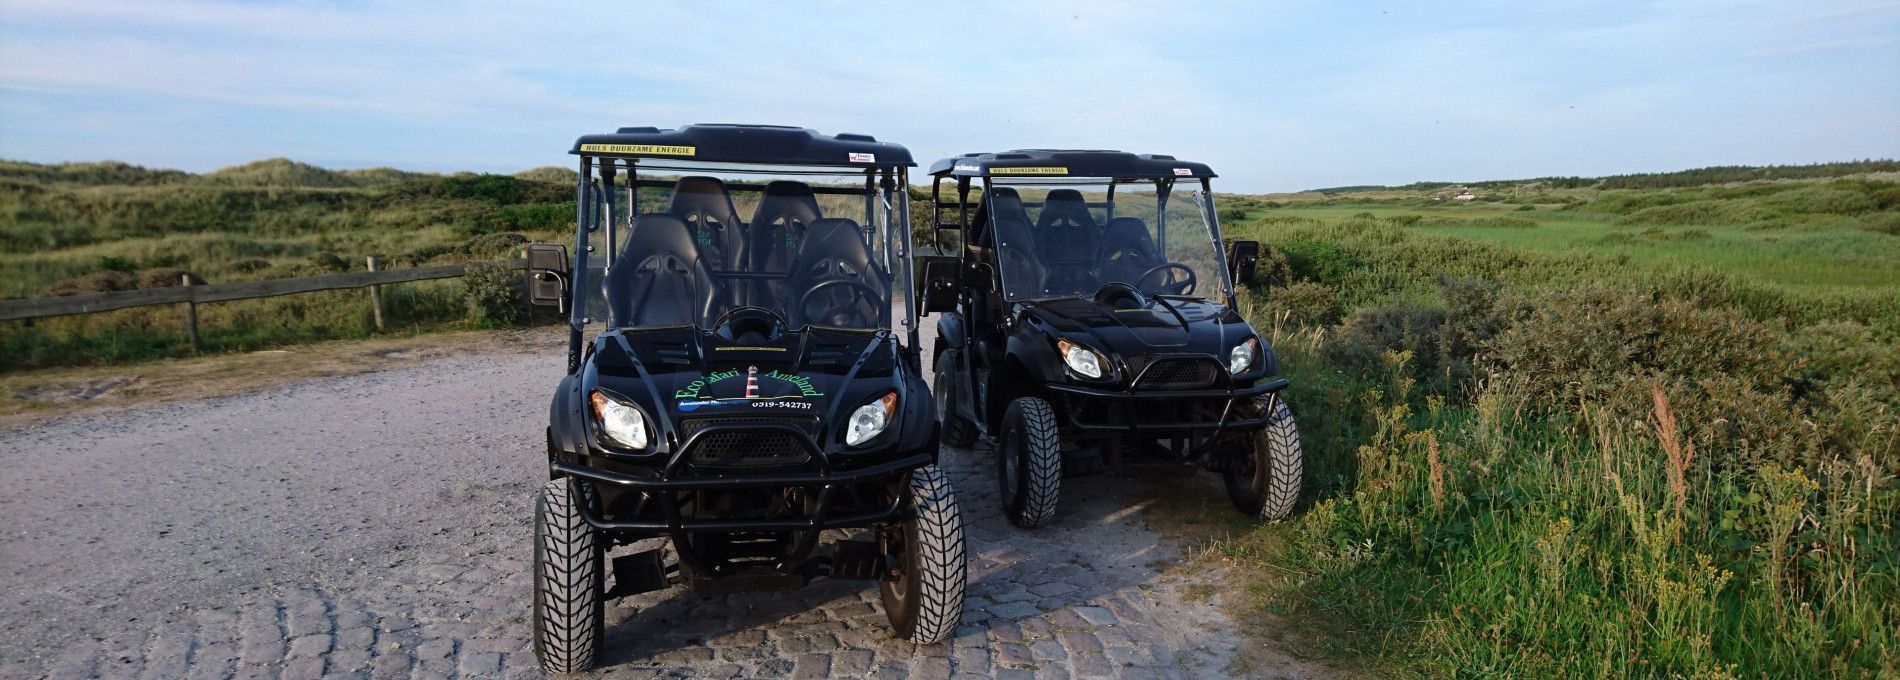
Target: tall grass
x=1558 y=465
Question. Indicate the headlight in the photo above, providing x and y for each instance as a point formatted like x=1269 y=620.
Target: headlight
x=870 y=419
x=1084 y=361
x=1243 y=356
x=623 y=423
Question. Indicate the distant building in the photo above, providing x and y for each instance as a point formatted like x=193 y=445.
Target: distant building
x=1465 y=195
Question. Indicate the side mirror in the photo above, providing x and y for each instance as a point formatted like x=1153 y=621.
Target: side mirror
x=1241 y=258
x=548 y=275
x=939 y=284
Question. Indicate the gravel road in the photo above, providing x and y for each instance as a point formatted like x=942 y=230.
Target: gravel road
x=377 y=526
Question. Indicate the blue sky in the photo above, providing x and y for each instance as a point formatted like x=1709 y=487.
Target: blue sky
x=1276 y=95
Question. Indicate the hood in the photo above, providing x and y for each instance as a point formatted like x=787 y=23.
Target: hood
x=1160 y=326
x=691 y=373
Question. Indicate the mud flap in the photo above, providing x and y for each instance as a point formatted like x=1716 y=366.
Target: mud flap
x=641 y=572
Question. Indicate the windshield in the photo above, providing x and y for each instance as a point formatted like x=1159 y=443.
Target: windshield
x=689 y=244
x=1071 y=238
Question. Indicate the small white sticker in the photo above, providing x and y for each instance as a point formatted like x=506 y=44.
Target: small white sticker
x=965 y=167
x=1183 y=172
x=863 y=158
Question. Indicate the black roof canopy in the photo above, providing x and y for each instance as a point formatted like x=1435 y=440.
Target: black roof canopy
x=1067 y=163
x=756 y=144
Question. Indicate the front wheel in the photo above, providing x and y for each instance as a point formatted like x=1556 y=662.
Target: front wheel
x=1266 y=480
x=568 y=581
x=1029 y=462
x=923 y=596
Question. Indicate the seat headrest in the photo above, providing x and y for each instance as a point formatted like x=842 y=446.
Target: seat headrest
x=655 y=233
x=835 y=238
x=786 y=199
x=706 y=195
x=1124 y=233
x=1065 y=205
x=1006 y=200
x=1064 y=195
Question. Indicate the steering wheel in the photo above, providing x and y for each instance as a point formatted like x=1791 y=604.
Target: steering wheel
x=838 y=311
x=1116 y=293
x=1183 y=287
x=765 y=321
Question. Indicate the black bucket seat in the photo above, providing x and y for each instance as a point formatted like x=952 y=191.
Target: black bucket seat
x=785 y=214
x=834 y=252
x=659 y=278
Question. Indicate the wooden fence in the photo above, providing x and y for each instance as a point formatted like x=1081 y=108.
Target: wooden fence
x=193 y=295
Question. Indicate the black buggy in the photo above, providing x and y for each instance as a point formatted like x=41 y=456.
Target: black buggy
x=1088 y=315
x=735 y=384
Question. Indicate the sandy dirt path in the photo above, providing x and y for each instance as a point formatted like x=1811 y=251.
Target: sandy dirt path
x=377 y=525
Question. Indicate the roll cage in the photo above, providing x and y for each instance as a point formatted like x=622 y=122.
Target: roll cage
x=992 y=176
x=671 y=198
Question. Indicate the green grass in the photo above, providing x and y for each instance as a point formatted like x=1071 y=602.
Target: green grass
x=79 y=228
x=1829 y=255
x=1492 y=487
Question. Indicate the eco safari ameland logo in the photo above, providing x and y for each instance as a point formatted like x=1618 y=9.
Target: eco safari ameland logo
x=787 y=391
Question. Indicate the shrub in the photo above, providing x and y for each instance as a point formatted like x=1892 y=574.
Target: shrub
x=493 y=295
x=1305 y=303
x=1273 y=268
x=96 y=282
x=113 y=263
x=1318 y=260
x=1525 y=208
x=1232 y=215
x=1880 y=223
x=497 y=189
x=1812 y=200
x=1698 y=212
x=165 y=277
x=327 y=261
x=1506 y=222
x=1362 y=344
x=494 y=245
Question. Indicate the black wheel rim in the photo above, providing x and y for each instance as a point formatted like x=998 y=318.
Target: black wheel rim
x=1010 y=449
x=898 y=549
x=941 y=394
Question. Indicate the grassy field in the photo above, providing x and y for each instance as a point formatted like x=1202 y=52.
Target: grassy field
x=80 y=228
x=1820 y=256
x=1603 y=436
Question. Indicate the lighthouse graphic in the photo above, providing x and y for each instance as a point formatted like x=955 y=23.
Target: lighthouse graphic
x=752 y=382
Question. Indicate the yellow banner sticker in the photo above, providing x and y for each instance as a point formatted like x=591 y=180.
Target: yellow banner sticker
x=649 y=149
x=1029 y=171
x=737 y=348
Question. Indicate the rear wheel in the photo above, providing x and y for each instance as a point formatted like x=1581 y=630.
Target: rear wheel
x=1029 y=462
x=923 y=596
x=957 y=430
x=1266 y=480
x=568 y=581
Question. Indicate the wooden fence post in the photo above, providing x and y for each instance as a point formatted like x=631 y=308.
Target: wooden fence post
x=376 y=297
x=191 y=316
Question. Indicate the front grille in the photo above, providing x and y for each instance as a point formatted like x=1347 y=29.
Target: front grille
x=747 y=442
x=1180 y=374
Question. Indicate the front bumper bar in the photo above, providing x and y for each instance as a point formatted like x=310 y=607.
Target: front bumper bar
x=1080 y=399
x=825 y=481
